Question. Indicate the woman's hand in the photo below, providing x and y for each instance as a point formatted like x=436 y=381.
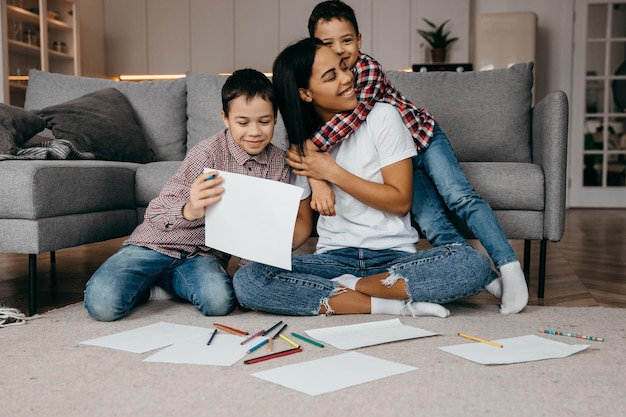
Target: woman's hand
x=313 y=163
x=203 y=193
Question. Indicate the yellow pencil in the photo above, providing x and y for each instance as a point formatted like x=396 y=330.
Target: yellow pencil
x=288 y=340
x=478 y=339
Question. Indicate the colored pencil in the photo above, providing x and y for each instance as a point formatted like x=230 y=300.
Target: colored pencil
x=279 y=331
x=271 y=328
x=272 y=356
x=211 y=338
x=258 y=345
x=259 y=333
x=306 y=339
x=576 y=335
x=288 y=340
x=230 y=329
x=478 y=339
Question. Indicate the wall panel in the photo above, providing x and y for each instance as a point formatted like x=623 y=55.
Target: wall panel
x=168 y=36
x=212 y=24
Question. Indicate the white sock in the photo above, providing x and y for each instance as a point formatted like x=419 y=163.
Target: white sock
x=347 y=280
x=401 y=307
x=514 y=288
x=495 y=288
x=159 y=293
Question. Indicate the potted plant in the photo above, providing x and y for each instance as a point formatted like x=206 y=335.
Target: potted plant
x=437 y=39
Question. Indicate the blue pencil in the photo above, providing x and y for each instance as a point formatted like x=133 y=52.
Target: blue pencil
x=255 y=347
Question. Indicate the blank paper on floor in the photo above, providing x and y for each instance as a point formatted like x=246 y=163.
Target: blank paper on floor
x=359 y=335
x=514 y=350
x=225 y=350
x=329 y=374
x=147 y=338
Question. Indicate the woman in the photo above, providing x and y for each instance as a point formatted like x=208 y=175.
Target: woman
x=366 y=260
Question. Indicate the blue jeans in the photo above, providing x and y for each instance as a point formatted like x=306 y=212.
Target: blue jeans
x=439 y=182
x=437 y=275
x=124 y=280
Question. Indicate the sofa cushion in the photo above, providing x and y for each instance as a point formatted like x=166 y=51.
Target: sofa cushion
x=103 y=123
x=508 y=185
x=204 y=110
x=151 y=178
x=41 y=189
x=17 y=126
x=159 y=105
x=486 y=114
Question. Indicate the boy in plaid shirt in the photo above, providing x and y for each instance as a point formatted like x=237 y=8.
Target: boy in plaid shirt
x=437 y=173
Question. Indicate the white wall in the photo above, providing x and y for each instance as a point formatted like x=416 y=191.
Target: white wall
x=174 y=36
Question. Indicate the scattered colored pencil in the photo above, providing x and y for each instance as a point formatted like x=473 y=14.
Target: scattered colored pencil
x=288 y=340
x=230 y=329
x=271 y=328
x=258 y=345
x=280 y=331
x=306 y=339
x=211 y=338
x=259 y=333
x=576 y=335
x=272 y=356
x=478 y=339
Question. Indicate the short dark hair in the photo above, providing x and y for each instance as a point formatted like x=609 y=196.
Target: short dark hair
x=249 y=83
x=332 y=9
x=292 y=70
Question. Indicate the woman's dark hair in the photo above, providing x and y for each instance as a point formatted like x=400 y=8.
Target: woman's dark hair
x=292 y=70
x=248 y=83
x=332 y=9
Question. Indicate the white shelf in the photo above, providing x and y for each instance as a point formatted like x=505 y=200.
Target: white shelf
x=57 y=28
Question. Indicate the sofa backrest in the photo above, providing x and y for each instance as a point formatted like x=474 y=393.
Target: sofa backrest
x=160 y=105
x=486 y=114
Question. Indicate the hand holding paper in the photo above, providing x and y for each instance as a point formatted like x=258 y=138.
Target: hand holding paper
x=251 y=210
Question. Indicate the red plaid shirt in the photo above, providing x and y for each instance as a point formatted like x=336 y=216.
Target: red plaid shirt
x=166 y=231
x=372 y=85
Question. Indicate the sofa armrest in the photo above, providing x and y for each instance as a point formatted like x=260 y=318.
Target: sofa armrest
x=549 y=149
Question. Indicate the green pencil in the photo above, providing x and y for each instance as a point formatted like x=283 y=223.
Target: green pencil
x=306 y=339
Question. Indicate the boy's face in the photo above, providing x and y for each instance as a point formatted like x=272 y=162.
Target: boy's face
x=339 y=34
x=251 y=123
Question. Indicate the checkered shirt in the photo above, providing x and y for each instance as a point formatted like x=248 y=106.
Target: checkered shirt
x=372 y=85
x=166 y=231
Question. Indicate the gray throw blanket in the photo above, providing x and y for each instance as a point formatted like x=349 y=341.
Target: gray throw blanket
x=52 y=149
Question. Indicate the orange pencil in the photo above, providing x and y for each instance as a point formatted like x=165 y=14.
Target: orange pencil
x=230 y=329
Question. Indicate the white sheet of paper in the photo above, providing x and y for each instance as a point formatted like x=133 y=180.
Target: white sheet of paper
x=514 y=350
x=333 y=373
x=225 y=350
x=367 y=334
x=254 y=220
x=147 y=338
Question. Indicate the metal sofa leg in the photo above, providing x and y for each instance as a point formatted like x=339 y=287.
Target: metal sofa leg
x=32 y=284
x=527 y=260
x=542 y=268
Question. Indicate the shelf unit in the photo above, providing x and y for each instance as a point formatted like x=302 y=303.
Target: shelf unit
x=37 y=34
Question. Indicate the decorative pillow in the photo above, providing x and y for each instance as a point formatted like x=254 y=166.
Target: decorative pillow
x=17 y=126
x=102 y=122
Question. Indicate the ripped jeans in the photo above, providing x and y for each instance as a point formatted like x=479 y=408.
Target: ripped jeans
x=438 y=275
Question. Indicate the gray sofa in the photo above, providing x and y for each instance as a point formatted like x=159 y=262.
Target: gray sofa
x=514 y=155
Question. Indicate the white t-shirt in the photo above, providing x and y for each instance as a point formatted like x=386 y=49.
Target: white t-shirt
x=380 y=141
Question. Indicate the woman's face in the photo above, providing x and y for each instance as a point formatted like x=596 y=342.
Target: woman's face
x=331 y=87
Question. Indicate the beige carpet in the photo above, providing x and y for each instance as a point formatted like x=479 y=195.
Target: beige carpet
x=45 y=372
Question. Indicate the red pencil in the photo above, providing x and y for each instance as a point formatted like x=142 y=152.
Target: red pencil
x=272 y=356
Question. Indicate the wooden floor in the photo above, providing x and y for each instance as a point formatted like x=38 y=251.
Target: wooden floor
x=587 y=268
